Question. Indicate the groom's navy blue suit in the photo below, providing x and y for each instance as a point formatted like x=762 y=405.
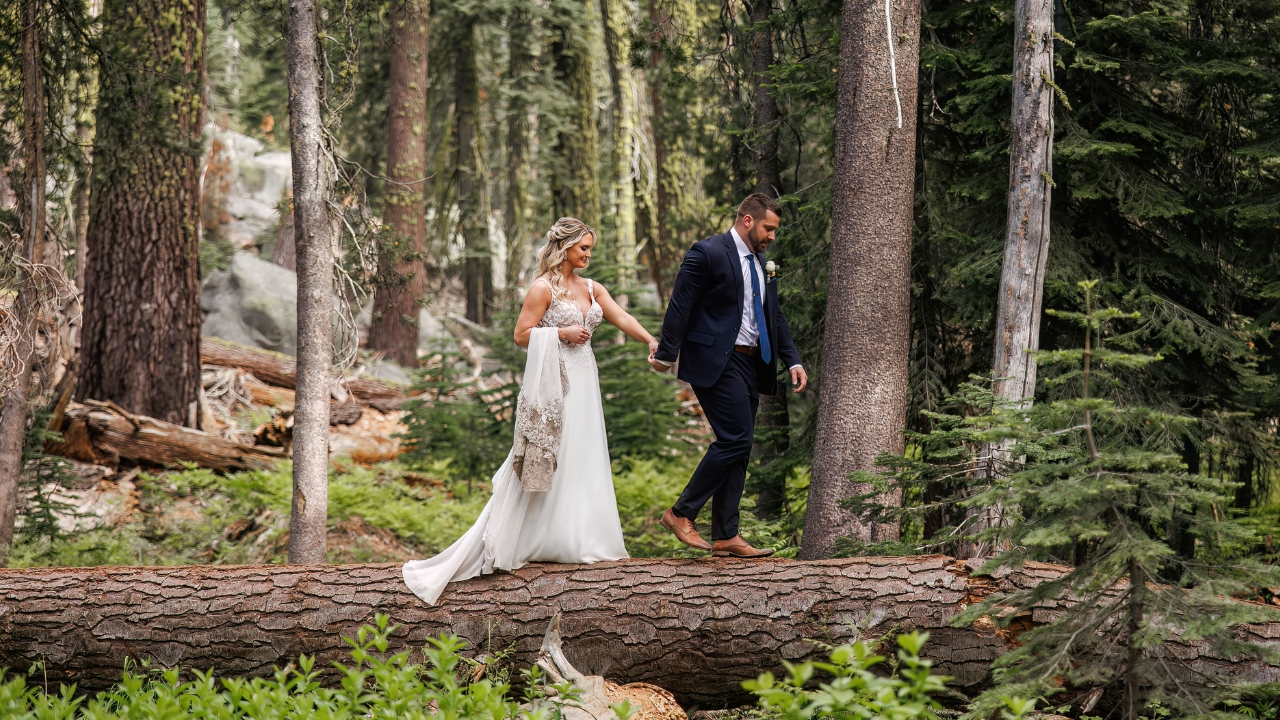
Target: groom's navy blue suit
x=701 y=327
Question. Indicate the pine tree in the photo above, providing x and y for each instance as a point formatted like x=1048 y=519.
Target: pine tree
x=395 y=313
x=308 y=519
x=576 y=182
x=474 y=225
x=863 y=390
x=141 y=297
x=1091 y=482
x=13 y=418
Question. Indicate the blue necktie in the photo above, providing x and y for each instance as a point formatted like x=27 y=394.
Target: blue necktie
x=756 y=301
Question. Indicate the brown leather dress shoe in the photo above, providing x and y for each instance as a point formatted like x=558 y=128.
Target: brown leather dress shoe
x=738 y=548
x=684 y=530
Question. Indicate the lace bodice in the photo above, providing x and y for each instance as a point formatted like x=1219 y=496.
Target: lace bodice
x=567 y=312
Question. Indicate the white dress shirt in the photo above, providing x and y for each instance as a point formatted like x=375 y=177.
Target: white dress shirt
x=749 y=331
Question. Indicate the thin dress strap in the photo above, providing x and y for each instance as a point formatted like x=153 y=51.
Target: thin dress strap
x=591 y=289
x=550 y=287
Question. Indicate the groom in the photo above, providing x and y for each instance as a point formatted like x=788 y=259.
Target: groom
x=725 y=325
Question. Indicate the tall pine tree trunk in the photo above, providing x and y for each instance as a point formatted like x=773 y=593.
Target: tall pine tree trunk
x=621 y=199
x=394 y=330
x=13 y=420
x=862 y=397
x=576 y=186
x=773 y=423
x=312 y=238
x=520 y=42
x=1026 y=245
x=765 y=115
x=478 y=271
x=141 y=343
x=656 y=245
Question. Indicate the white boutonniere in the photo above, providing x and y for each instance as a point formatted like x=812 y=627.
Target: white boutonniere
x=771 y=269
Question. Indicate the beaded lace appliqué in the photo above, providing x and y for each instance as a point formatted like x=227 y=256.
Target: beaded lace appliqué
x=564 y=313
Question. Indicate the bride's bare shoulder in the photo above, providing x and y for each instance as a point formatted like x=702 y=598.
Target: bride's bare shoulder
x=538 y=295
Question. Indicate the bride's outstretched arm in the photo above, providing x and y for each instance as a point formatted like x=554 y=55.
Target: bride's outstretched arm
x=621 y=319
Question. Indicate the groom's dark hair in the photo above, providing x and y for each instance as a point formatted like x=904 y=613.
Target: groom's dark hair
x=757 y=205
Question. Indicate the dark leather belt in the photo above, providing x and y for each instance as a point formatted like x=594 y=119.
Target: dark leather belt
x=751 y=350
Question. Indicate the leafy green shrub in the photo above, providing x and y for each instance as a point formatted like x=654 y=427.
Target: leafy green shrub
x=856 y=691
x=375 y=686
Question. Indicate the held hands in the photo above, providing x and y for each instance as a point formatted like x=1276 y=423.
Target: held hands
x=574 y=334
x=653 y=362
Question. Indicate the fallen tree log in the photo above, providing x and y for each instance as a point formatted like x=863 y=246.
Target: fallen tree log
x=694 y=627
x=102 y=433
x=281 y=370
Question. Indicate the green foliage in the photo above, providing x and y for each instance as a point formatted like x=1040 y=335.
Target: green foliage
x=375 y=685
x=383 y=513
x=42 y=477
x=1090 y=482
x=857 y=691
x=453 y=420
x=197 y=516
x=1165 y=171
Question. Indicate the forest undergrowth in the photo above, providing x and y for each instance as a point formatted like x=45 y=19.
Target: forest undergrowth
x=387 y=512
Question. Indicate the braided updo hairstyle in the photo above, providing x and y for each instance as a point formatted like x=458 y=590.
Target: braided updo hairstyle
x=564 y=234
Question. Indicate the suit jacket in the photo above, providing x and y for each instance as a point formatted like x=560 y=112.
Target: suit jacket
x=705 y=313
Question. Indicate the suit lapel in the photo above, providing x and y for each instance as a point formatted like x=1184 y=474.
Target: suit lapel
x=735 y=264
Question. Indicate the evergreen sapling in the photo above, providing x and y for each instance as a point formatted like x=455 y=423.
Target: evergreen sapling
x=1091 y=483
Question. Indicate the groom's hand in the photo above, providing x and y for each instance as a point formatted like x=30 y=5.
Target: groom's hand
x=799 y=378
x=656 y=365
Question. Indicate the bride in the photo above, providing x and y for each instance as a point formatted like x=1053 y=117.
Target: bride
x=576 y=520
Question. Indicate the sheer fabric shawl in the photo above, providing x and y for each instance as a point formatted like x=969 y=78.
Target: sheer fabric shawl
x=540 y=411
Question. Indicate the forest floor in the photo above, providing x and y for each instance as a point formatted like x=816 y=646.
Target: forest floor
x=382 y=512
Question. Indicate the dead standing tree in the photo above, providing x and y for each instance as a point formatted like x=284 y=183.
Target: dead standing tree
x=1026 y=246
x=862 y=396
x=313 y=240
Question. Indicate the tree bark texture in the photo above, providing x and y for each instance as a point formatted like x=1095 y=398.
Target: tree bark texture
x=520 y=76
x=285 y=252
x=280 y=370
x=656 y=246
x=575 y=186
x=13 y=418
x=862 y=396
x=101 y=434
x=773 y=422
x=695 y=627
x=478 y=268
x=142 y=281
x=765 y=111
x=1026 y=245
x=394 y=330
x=312 y=231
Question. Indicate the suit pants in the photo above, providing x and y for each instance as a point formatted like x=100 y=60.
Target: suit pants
x=730 y=405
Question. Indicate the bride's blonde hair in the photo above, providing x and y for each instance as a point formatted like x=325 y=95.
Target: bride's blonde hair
x=564 y=234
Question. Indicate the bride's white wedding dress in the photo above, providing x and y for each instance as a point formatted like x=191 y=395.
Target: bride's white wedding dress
x=576 y=521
